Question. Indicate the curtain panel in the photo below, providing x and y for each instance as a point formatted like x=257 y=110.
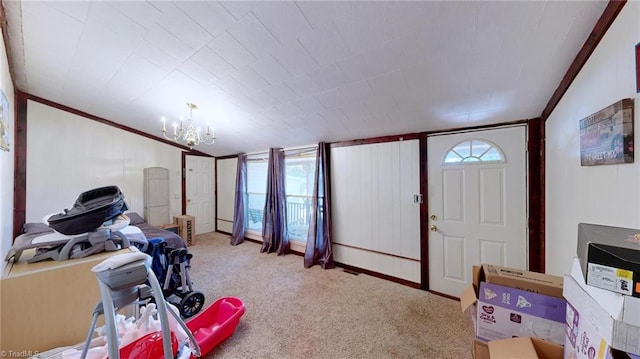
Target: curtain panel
x=318 y=249
x=274 y=221
x=241 y=202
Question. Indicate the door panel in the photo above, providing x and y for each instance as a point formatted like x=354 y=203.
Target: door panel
x=453 y=192
x=454 y=253
x=492 y=251
x=492 y=196
x=200 y=192
x=477 y=206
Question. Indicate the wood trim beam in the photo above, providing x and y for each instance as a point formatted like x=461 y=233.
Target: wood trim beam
x=226 y=157
x=602 y=25
x=418 y=135
x=183 y=179
x=20 y=163
x=381 y=139
x=424 y=215
x=535 y=178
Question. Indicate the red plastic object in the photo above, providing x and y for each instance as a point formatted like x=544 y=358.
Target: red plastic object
x=148 y=347
x=216 y=323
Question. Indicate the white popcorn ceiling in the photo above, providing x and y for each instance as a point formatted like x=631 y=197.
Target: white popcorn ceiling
x=287 y=74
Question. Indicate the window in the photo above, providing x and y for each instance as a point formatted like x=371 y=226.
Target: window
x=300 y=169
x=474 y=151
x=256 y=190
x=299 y=181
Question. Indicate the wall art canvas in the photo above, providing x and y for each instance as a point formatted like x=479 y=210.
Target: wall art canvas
x=5 y=128
x=606 y=137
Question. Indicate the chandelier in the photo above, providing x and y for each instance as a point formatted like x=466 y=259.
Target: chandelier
x=188 y=134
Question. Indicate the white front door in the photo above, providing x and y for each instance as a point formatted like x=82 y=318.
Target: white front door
x=200 y=192
x=477 y=204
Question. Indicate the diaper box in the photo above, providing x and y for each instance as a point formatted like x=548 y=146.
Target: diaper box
x=521 y=279
x=548 y=288
x=540 y=283
x=505 y=312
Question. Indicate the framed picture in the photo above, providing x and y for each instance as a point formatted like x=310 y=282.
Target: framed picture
x=606 y=137
x=5 y=128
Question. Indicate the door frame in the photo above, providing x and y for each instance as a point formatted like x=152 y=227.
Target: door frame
x=535 y=152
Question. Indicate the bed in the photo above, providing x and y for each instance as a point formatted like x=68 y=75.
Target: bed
x=173 y=240
x=48 y=243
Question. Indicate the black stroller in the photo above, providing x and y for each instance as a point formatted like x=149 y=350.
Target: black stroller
x=171 y=266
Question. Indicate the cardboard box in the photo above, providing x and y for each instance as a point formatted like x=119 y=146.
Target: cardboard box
x=171 y=228
x=610 y=257
x=530 y=282
x=480 y=350
x=591 y=328
x=621 y=307
x=505 y=312
x=517 y=348
x=516 y=278
x=186 y=228
x=582 y=340
x=509 y=277
x=524 y=348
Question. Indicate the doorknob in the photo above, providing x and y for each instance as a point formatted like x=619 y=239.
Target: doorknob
x=188 y=200
x=433 y=217
x=433 y=228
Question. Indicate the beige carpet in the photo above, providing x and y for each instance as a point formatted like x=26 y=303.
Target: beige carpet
x=293 y=312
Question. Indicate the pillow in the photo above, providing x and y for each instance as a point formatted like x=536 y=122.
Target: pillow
x=134 y=218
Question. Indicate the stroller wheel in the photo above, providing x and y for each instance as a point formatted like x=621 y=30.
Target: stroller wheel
x=191 y=304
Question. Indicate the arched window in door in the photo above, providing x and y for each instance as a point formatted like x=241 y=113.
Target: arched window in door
x=474 y=151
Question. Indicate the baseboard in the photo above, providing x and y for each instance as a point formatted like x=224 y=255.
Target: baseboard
x=356 y=270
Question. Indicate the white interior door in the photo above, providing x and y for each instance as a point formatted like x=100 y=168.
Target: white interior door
x=477 y=204
x=200 y=192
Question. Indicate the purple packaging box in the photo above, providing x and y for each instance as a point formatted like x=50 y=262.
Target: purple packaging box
x=505 y=312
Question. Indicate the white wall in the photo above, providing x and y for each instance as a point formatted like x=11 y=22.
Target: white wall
x=376 y=225
x=69 y=154
x=375 y=222
x=7 y=160
x=226 y=182
x=607 y=195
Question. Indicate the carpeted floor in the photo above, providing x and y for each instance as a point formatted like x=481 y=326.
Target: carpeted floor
x=293 y=312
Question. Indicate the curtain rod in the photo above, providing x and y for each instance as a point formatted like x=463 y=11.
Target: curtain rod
x=286 y=149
